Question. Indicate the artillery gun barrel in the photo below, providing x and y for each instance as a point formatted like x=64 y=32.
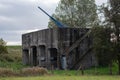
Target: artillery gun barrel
x=58 y=23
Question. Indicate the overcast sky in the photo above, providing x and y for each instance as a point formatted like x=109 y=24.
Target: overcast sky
x=22 y=16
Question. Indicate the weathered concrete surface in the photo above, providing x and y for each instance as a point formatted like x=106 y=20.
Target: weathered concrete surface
x=45 y=48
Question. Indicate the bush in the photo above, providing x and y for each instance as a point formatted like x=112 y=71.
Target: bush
x=6 y=57
x=34 y=71
x=5 y=72
x=3 y=48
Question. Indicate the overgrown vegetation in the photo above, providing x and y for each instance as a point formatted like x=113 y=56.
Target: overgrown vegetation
x=16 y=68
x=104 y=49
x=111 y=12
x=6 y=72
x=11 y=64
x=13 y=59
x=102 y=46
x=33 y=71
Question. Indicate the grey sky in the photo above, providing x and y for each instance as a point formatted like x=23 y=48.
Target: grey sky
x=22 y=16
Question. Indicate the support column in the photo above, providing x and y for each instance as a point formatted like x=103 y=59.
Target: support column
x=48 y=59
x=31 y=56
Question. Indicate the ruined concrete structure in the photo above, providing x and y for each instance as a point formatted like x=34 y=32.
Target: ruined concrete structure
x=47 y=48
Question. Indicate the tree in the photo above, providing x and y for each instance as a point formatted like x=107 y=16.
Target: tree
x=3 y=48
x=102 y=46
x=112 y=19
x=112 y=12
x=115 y=18
x=76 y=13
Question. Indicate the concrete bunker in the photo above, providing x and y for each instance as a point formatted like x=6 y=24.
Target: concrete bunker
x=56 y=48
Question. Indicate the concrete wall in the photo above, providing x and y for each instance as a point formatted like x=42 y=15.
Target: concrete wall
x=46 y=47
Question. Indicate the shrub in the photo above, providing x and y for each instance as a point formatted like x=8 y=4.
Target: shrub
x=5 y=72
x=3 y=48
x=6 y=57
x=34 y=71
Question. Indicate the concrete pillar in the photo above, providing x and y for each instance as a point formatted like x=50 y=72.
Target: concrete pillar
x=48 y=59
x=31 y=56
x=39 y=56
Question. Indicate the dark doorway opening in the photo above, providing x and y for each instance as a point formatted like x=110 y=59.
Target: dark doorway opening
x=42 y=53
x=26 y=56
x=34 y=51
x=53 y=57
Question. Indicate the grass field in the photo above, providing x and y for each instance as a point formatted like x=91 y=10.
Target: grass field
x=13 y=61
x=14 y=58
x=65 y=78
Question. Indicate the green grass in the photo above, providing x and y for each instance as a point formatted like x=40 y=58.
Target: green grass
x=12 y=65
x=64 y=78
x=14 y=47
x=15 y=52
x=91 y=71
